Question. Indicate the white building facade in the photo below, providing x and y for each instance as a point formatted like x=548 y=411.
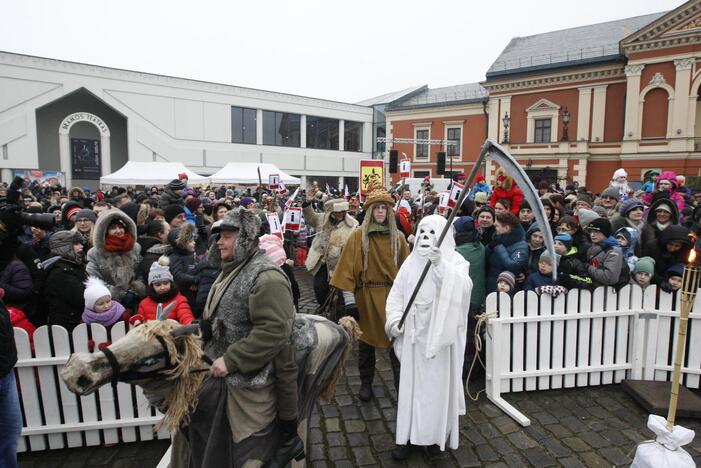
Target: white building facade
x=87 y=121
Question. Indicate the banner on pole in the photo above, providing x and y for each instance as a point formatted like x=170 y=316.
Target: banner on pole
x=455 y=194
x=370 y=168
x=404 y=168
x=274 y=181
x=292 y=219
x=282 y=190
x=291 y=200
x=443 y=198
x=274 y=223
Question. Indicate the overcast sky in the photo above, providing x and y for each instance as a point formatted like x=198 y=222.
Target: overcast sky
x=341 y=50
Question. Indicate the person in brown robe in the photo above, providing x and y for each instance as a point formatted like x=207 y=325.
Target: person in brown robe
x=365 y=273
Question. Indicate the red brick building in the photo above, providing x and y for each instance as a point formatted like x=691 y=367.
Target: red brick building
x=575 y=104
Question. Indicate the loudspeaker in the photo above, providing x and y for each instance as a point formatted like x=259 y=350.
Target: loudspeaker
x=440 y=164
x=393 y=161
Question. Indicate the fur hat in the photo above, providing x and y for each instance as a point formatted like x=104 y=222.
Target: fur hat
x=179 y=237
x=377 y=193
x=629 y=205
x=159 y=271
x=565 y=238
x=247 y=224
x=645 y=265
x=336 y=205
x=95 y=289
x=508 y=278
x=172 y=211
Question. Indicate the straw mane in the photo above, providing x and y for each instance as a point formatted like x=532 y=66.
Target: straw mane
x=182 y=400
x=351 y=327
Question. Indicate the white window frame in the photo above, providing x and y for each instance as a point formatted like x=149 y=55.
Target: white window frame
x=418 y=127
x=453 y=125
x=543 y=109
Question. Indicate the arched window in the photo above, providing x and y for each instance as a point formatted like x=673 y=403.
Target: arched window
x=655 y=113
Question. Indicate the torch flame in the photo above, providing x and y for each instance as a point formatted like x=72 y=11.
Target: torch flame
x=692 y=253
x=692 y=256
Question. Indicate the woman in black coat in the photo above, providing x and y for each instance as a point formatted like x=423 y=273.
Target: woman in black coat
x=183 y=262
x=64 y=280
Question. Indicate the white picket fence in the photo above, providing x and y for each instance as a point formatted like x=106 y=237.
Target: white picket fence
x=56 y=418
x=585 y=338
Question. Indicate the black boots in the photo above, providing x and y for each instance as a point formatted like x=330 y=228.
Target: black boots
x=291 y=445
x=401 y=452
x=365 y=393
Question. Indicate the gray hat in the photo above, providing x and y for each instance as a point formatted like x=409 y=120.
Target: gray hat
x=545 y=257
x=586 y=216
x=159 y=271
x=247 y=223
x=611 y=192
x=86 y=214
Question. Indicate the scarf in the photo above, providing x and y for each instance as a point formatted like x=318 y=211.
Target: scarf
x=639 y=225
x=107 y=318
x=119 y=244
x=165 y=297
x=375 y=227
x=661 y=226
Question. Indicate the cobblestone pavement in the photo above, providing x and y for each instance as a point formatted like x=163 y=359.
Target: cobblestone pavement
x=595 y=426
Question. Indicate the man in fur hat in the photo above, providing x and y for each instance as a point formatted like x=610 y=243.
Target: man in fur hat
x=367 y=268
x=250 y=313
x=333 y=227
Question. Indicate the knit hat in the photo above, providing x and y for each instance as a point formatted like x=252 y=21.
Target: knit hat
x=525 y=205
x=623 y=232
x=545 y=257
x=479 y=178
x=629 y=205
x=565 y=238
x=619 y=173
x=586 y=217
x=377 y=193
x=481 y=197
x=273 y=248
x=610 y=192
x=508 y=278
x=176 y=184
x=585 y=198
x=131 y=209
x=86 y=213
x=664 y=207
x=172 y=211
x=645 y=265
x=183 y=176
x=70 y=209
x=675 y=270
x=464 y=224
x=159 y=271
x=600 y=210
x=95 y=289
x=193 y=203
x=601 y=225
x=246 y=201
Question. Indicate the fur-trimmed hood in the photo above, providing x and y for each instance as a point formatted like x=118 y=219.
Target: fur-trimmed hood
x=179 y=237
x=508 y=183
x=103 y=222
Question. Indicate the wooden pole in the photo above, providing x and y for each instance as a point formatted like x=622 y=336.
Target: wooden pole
x=690 y=284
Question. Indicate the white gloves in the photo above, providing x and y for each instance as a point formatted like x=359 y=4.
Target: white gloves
x=435 y=256
x=394 y=332
x=411 y=239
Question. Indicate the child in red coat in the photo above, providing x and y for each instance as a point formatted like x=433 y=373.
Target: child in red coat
x=164 y=301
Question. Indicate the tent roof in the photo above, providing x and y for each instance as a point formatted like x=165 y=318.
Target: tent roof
x=246 y=173
x=151 y=173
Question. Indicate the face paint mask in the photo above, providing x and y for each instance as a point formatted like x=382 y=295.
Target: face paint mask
x=426 y=238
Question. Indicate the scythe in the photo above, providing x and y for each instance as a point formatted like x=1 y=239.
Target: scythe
x=507 y=161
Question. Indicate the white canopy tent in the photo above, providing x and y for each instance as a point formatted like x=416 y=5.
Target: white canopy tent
x=244 y=173
x=151 y=173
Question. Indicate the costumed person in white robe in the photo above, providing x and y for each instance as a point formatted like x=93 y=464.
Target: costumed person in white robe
x=431 y=344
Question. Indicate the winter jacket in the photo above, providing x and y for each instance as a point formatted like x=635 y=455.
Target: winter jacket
x=206 y=273
x=294 y=286
x=329 y=240
x=514 y=196
x=537 y=279
x=651 y=244
x=663 y=259
x=152 y=249
x=676 y=197
x=509 y=253
x=183 y=263
x=16 y=280
x=63 y=292
x=572 y=271
x=605 y=263
x=475 y=253
x=533 y=252
x=481 y=187
x=8 y=350
x=645 y=233
x=116 y=269
x=181 y=310
x=168 y=197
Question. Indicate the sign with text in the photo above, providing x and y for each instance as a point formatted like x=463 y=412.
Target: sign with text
x=455 y=191
x=274 y=181
x=404 y=168
x=274 y=223
x=370 y=168
x=291 y=200
x=292 y=219
x=85 y=158
x=443 y=198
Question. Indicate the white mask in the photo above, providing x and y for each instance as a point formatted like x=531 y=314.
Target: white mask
x=426 y=238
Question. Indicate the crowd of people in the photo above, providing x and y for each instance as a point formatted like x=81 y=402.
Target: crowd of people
x=161 y=253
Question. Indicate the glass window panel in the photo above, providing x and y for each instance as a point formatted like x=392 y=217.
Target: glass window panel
x=322 y=133
x=454 y=135
x=269 y=128
x=542 y=131
x=243 y=125
x=421 y=149
x=352 y=136
x=281 y=129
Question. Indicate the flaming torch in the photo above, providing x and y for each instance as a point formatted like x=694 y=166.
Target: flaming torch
x=690 y=284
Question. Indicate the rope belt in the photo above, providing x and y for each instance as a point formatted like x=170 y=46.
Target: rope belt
x=380 y=284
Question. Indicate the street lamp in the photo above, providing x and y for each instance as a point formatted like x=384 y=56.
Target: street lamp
x=505 y=120
x=565 y=127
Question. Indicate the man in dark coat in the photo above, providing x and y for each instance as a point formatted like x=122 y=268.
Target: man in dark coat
x=172 y=195
x=153 y=245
